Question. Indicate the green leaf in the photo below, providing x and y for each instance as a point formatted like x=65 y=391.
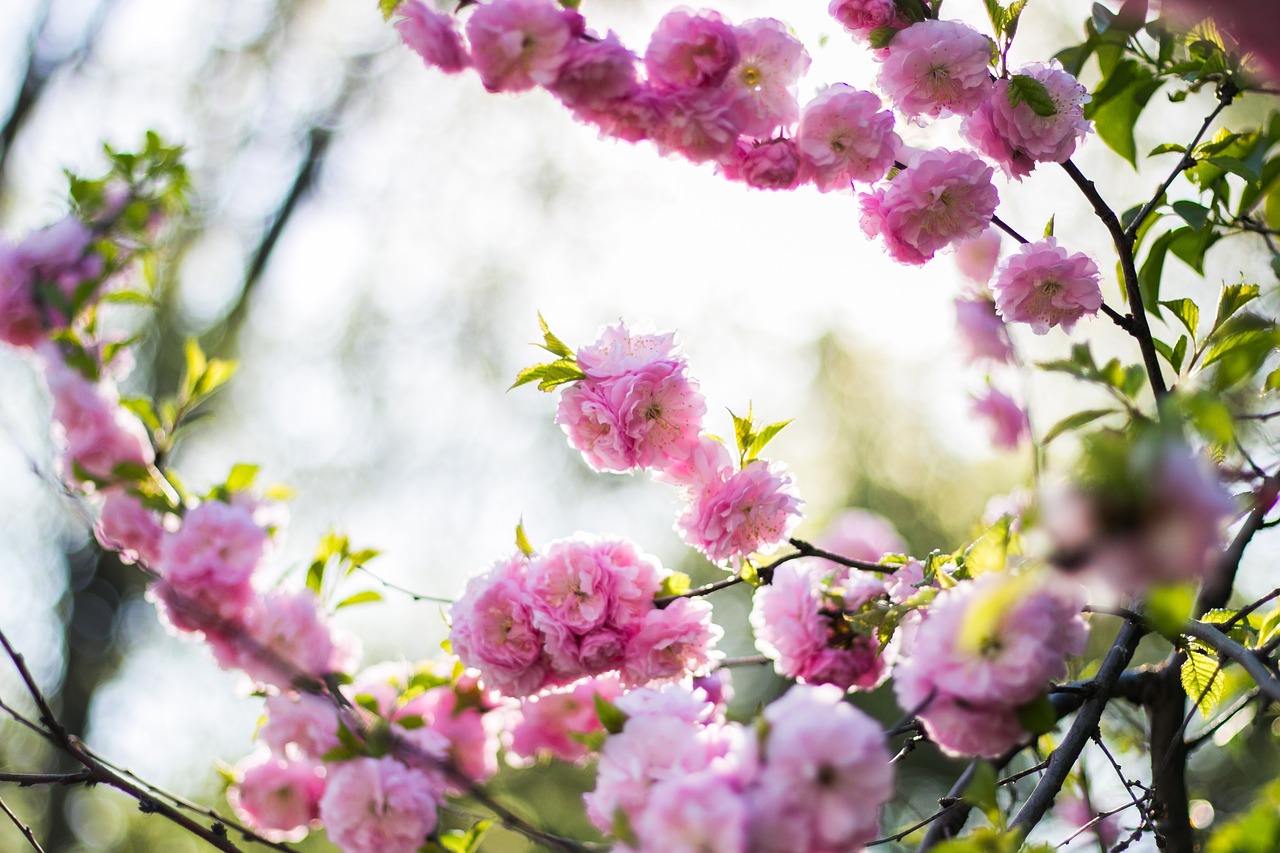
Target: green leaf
x=196 y=366
x=1191 y=245
x=1118 y=103
x=1195 y=215
x=1202 y=677
x=1236 y=167
x=1210 y=417
x=1179 y=352
x=1270 y=628
x=145 y=410
x=1023 y=88
x=610 y=716
x=1168 y=148
x=522 y=540
x=1167 y=607
x=676 y=583
x=241 y=477
x=1152 y=271
x=457 y=841
x=1048 y=226
x=1074 y=422
x=315 y=576
x=743 y=432
x=763 y=437
x=388 y=8
x=880 y=37
x=551 y=343
x=550 y=375
x=1232 y=299
x=997 y=15
x=1038 y=716
x=363 y=597
x=129 y=297
x=1187 y=311
x=981 y=791
x=1273 y=381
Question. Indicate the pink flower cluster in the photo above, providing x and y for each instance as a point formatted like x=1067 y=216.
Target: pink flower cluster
x=678 y=777
x=984 y=649
x=555 y=723
x=937 y=68
x=1044 y=286
x=56 y=258
x=97 y=434
x=705 y=89
x=583 y=607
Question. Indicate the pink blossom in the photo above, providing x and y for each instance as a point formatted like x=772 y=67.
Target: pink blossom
x=1045 y=286
x=99 y=433
x=753 y=509
x=673 y=699
x=977 y=258
x=575 y=655
x=708 y=463
x=551 y=724
x=1017 y=137
x=983 y=336
x=673 y=642
x=596 y=72
x=283 y=637
x=129 y=528
x=691 y=51
x=944 y=197
x=59 y=255
x=772 y=165
x=861 y=17
x=459 y=717
x=696 y=124
x=639 y=419
x=703 y=812
x=620 y=351
x=279 y=798
x=433 y=36
x=20 y=322
x=635 y=116
x=1007 y=420
x=518 y=44
x=861 y=535
x=937 y=68
x=763 y=82
x=492 y=630
x=378 y=805
x=206 y=566
x=826 y=774
x=299 y=725
x=845 y=136
x=571 y=582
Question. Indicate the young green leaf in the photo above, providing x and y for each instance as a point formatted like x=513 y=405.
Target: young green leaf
x=1187 y=311
x=363 y=597
x=1074 y=422
x=1023 y=88
x=551 y=343
x=522 y=540
x=1202 y=677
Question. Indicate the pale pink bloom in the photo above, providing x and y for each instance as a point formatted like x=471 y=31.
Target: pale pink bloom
x=717 y=686
x=571 y=582
x=1005 y=418
x=20 y=322
x=763 y=83
x=59 y=255
x=619 y=351
x=977 y=258
x=518 y=44
x=826 y=774
x=983 y=336
x=468 y=733
x=751 y=510
x=691 y=50
x=944 y=197
x=1016 y=137
x=433 y=36
x=674 y=699
x=635 y=116
x=278 y=798
x=696 y=124
x=596 y=72
x=861 y=17
x=207 y=565
x=704 y=812
x=959 y=726
x=772 y=165
x=937 y=68
x=575 y=655
x=860 y=534
x=707 y=464
x=284 y=637
x=299 y=725
x=128 y=528
x=676 y=641
x=99 y=434
x=378 y=805
x=1044 y=286
x=553 y=723
x=492 y=630
x=845 y=136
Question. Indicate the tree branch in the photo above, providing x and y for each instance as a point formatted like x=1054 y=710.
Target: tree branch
x=22 y=827
x=1230 y=649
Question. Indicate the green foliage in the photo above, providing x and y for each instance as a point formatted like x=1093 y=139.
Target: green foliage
x=1167 y=608
x=522 y=540
x=459 y=841
x=1202 y=678
x=552 y=374
x=610 y=715
x=981 y=791
x=1075 y=421
x=1125 y=382
x=1023 y=88
x=334 y=558
x=991 y=840
x=751 y=440
x=1254 y=831
x=1118 y=102
x=676 y=583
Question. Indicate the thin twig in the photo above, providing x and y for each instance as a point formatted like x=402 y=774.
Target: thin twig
x=28 y=780
x=1003 y=226
x=22 y=827
x=416 y=596
x=1241 y=703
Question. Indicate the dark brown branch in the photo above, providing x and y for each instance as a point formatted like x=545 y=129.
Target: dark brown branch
x=28 y=780
x=22 y=827
x=1003 y=226
x=1231 y=650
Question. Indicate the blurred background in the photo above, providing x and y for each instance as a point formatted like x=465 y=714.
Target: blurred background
x=373 y=241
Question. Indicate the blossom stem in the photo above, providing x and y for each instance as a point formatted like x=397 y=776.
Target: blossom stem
x=1006 y=228
x=22 y=827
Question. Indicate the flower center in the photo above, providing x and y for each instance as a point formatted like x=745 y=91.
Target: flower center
x=751 y=76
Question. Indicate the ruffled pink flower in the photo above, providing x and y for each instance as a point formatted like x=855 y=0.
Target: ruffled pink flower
x=861 y=17
x=750 y=510
x=773 y=165
x=619 y=351
x=845 y=136
x=691 y=51
x=937 y=68
x=983 y=336
x=977 y=258
x=704 y=812
x=1016 y=137
x=638 y=419
x=299 y=725
x=553 y=723
x=698 y=125
x=826 y=774
x=279 y=798
x=20 y=322
x=492 y=630
x=635 y=116
x=596 y=72
x=673 y=642
x=1045 y=286
x=944 y=197
x=99 y=434
x=1006 y=419
x=518 y=44
x=129 y=528
x=763 y=82
x=207 y=566
x=378 y=805
x=433 y=36
x=571 y=584
x=282 y=637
